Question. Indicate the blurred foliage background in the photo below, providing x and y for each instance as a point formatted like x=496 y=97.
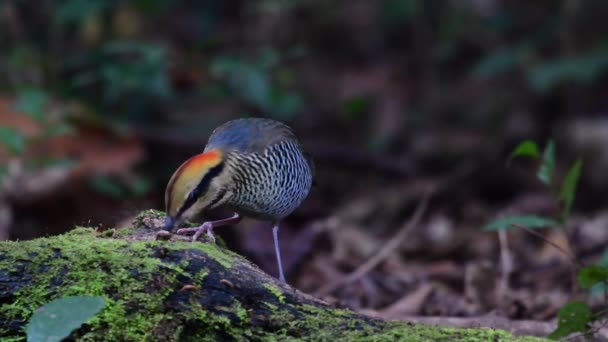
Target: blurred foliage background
x=101 y=100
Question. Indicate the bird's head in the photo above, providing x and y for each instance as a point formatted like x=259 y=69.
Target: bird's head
x=195 y=186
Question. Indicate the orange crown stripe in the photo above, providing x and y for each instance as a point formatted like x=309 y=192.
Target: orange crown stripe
x=202 y=161
x=195 y=166
x=192 y=169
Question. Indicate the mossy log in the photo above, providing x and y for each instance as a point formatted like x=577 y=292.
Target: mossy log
x=180 y=291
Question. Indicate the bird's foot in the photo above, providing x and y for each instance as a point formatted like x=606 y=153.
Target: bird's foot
x=205 y=227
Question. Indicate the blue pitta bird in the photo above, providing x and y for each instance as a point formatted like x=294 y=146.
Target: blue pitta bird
x=254 y=167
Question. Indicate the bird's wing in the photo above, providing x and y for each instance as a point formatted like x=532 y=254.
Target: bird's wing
x=250 y=135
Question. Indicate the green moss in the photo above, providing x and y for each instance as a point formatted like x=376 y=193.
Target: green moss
x=128 y=280
x=417 y=332
x=212 y=323
x=222 y=256
x=348 y=326
x=122 y=232
x=137 y=283
x=84 y=231
x=124 y=272
x=11 y=339
x=152 y=219
x=276 y=292
x=240 y=311
x=271 y=306
x=200 y=275
x=138 y=221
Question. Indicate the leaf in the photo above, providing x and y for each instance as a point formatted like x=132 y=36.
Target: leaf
x=107 y=186
x=77 y=11
x=57 y=319
x=32 y=101
x=399 y=11
x=60 y=128
x=529 y=221
x=140 y=186
x=12 y=139
x=573 y=317
x=501 y=61
x=355 y=106
x=599 y=288
x=604 y=259
x=569 y=185
x=583 y=68
x=591 y=275
x=3 y=171
x=526 y=148
x=253 y=82
x=545 y=172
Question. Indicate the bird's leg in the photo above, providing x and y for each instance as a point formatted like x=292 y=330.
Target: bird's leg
x=208 y=227
x=277 y=251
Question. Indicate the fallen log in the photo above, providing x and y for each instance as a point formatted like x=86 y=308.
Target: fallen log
x=180 y=291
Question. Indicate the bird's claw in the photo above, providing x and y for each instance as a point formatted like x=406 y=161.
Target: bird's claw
x=205 y=227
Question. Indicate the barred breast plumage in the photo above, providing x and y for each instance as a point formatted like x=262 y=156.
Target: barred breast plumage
x=270 y=174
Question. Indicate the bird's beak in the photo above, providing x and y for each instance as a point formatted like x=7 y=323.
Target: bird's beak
x=169 y=222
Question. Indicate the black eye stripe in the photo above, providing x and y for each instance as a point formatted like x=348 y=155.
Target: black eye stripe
x=201 y=187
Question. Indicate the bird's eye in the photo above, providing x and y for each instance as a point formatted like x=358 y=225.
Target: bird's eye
x=193 y=195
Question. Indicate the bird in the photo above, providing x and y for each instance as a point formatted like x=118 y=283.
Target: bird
x=255 y=167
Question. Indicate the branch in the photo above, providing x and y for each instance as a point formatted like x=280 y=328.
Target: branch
x=387 y=249
x=570 y=256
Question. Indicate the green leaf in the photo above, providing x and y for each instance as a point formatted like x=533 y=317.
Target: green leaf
x=32 y=102
x=573 y=317
x=545 y=172
x=399 y=11
x=140 y=186
x=253 y=82
x=77 y=11
x=582 y=68
x=591 y=275
x=3 y=171
x=604 y=259
x=569 y=185
x=57 y=319
x=107 y=186
x=599 y=288
x=355 y=106
x=12 y=139
x=60 y=128
x=501 y=60
x=526 y=148
x=529 y=221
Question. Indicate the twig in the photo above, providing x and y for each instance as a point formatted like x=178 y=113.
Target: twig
x=506 y=262
x=572 y=258
x=601 y=313
x=382 y=254
x=584 y=335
